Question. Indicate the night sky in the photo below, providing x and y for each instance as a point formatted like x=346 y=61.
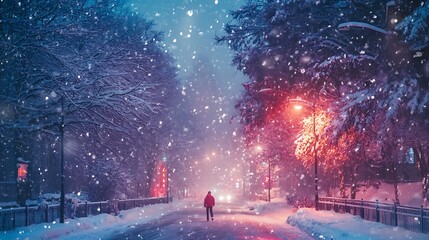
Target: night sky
x=205 y=71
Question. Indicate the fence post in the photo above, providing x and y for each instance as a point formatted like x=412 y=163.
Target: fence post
x=116 y=206
x=362 y=212
x=46 y=213
x=377 y=212
x=4 y=222
x=421 y=219
x=26 y=216
x=86 y=208
x=335 y=208
x=14 y=221
x=395 y=217
x=346 y=209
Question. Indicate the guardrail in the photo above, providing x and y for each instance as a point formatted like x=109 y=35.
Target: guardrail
x=411 y=218
x=23 y=216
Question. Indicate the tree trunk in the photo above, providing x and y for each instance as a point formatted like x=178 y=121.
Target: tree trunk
x=353 y=187
x=342 y=186
x=395 y=181
x=423 y=166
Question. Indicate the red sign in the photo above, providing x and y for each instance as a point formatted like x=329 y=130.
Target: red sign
x=22 y=171
x=159 y=181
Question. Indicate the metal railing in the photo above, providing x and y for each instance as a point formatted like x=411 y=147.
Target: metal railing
x=411 y=218
x=23 y=216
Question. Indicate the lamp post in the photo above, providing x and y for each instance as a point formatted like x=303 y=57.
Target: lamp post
x=62 y=197
x=243 y=166
x=312 y=105
x=316 y=180
x=259 y=149
x=168 y=186
x=269 y=179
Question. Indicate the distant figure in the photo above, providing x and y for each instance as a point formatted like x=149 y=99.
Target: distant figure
x=209 y=202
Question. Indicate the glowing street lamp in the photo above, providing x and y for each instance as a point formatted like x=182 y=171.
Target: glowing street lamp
x=267 y=181
x=312 y=105
x=298 y=105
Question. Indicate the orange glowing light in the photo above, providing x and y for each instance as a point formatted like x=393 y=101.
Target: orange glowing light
x=22 y=171
x=297 y=107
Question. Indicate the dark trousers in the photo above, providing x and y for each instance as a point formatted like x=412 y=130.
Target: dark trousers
x=211 y=212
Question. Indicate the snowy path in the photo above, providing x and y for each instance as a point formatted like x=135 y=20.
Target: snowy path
x=231 y=222
x=185 y=219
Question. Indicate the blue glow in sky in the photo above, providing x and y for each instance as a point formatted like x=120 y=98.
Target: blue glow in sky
x=205 y=69
x=190 y=27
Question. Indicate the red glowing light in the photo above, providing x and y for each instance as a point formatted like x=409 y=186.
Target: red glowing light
x=22 y=171
x=159 y=181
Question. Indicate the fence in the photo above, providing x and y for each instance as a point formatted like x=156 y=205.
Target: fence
x=24 y=216
x=411 y=218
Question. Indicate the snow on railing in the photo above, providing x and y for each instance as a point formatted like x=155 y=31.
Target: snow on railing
x=411 y=218
x=12 y=218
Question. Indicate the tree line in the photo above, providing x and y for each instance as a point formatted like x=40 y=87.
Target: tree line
x=362 y=66
x=100 y=73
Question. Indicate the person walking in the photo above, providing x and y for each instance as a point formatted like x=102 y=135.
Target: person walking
x=209 y=202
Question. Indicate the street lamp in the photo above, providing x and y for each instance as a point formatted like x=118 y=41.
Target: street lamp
x=259 y=149
x=243 y=166
x=62 y=195
x=269 y=179
x=312 y=105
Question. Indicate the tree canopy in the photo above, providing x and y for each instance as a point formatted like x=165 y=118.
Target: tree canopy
x=99 y=72
x=366 y=62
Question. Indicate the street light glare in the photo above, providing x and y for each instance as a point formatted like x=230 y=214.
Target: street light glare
x=297 y=107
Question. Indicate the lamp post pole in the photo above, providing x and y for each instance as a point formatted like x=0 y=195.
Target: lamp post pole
x=244 y=177
x=316 y=179
x=62 y=197
x=168 y=185
x=316 y=193
x=269 y=179
x=313 y=108
x=167 y=180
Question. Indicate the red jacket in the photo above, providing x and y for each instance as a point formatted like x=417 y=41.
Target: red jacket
x=209 y=201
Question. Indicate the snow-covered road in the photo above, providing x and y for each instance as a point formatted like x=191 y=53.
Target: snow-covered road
x=231 y=221
x=185 y=219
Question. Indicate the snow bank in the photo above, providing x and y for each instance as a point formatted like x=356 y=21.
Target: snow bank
x=331 y=225
x=94 y=227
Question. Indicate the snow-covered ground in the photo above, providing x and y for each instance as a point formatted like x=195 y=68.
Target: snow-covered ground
x=320 y=224
x=331 y=225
